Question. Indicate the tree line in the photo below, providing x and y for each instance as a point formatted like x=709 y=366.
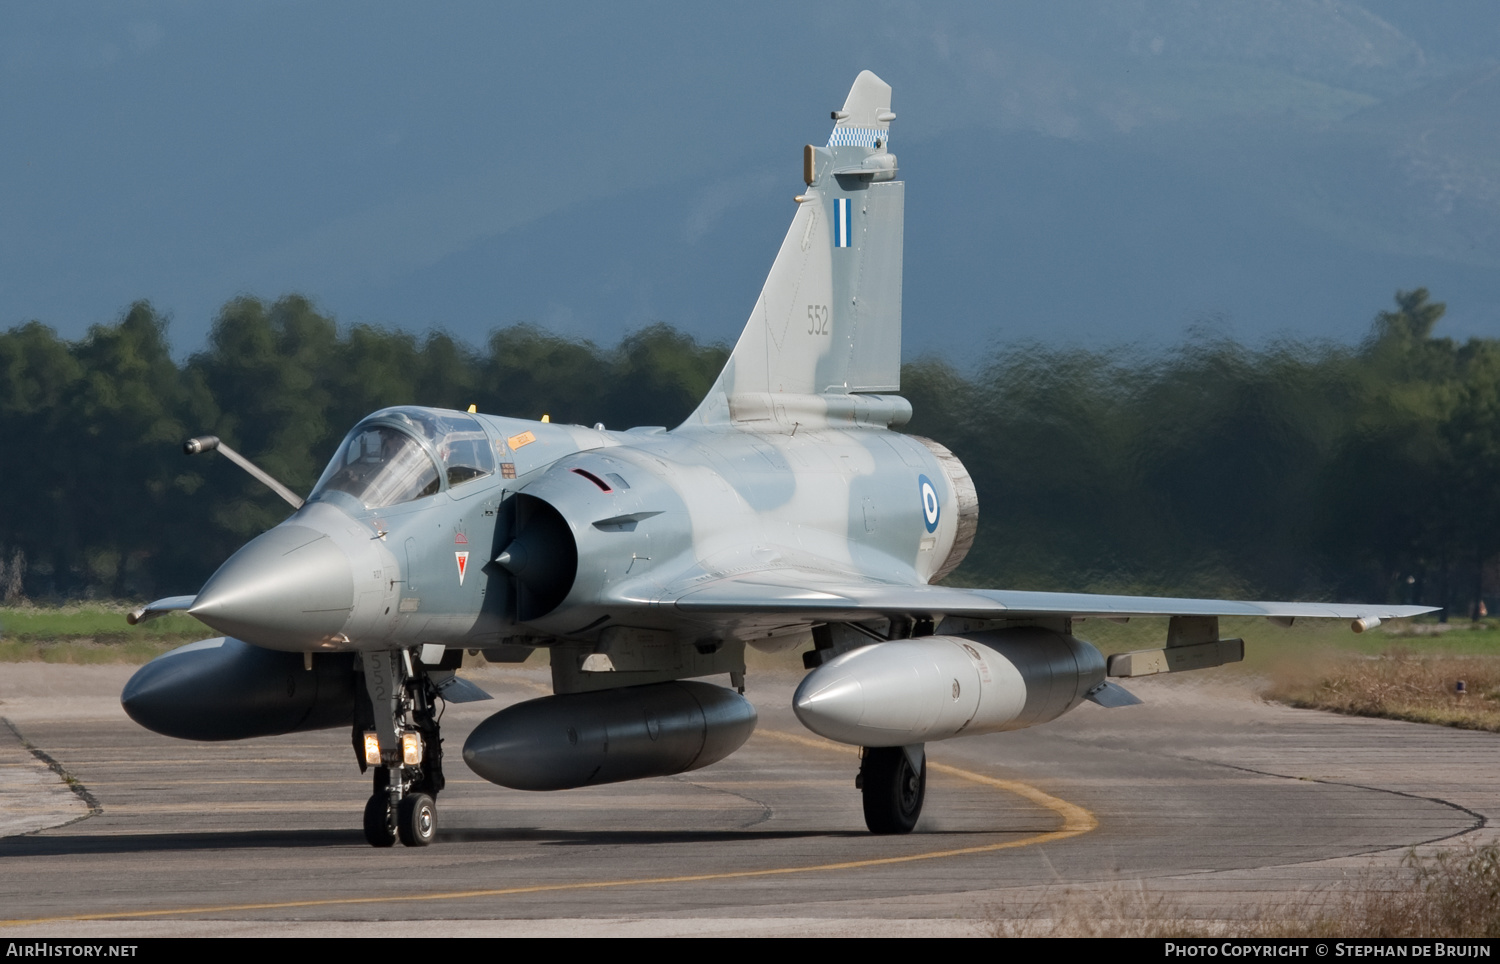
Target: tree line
x=1295 y=470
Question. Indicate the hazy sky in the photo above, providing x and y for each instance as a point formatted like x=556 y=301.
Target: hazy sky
x=1083 y=172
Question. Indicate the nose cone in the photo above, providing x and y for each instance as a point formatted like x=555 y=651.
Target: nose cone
x=831 y=704
x=289 y=588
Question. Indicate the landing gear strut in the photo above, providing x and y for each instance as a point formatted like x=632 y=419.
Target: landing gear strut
x=894 y=782
x=409 y=773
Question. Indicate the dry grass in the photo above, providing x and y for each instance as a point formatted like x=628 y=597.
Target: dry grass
x=94 y=632
x=1122 y=911
x=1452 y=894
x=1399 y=684
x=87 y=650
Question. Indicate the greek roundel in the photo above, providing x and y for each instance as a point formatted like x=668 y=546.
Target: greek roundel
x=930 y=507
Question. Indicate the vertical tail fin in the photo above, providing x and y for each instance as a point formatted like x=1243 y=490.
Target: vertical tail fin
x=825 y=335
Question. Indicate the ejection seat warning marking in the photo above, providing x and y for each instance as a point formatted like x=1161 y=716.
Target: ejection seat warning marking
x=516 y=441
x=462 y=558
x=1075 y=821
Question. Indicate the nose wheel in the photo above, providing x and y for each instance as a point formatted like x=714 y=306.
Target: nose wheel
x=402 y=714
x=378 y=829
x=894 y=787
x=416 y=820
x=412 y=819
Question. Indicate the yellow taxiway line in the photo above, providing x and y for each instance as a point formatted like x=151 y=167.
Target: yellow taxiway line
x=1075 y=820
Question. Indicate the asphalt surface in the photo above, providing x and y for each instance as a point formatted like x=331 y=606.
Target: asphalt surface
x=1205 y=800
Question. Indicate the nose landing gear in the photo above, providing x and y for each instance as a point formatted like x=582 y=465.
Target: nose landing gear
x=408 y=772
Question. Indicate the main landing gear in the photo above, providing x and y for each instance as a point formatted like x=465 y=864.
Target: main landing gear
x=894 y=782
x=400 y=742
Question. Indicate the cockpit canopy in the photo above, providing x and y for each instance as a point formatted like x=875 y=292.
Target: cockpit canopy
x=394 y=456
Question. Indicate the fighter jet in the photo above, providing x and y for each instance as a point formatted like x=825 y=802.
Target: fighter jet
x=787 y=511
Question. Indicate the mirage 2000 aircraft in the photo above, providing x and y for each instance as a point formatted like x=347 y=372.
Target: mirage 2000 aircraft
x=787 y=508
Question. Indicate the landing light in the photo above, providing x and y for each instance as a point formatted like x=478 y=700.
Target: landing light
x=372 y=749
x=411 y=749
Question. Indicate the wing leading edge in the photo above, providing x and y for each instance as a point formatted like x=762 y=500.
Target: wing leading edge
x=812 y=595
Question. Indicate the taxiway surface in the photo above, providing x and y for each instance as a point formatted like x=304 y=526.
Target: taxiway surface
x=1207 y=797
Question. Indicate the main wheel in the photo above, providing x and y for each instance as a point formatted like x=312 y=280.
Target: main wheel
x=378 y=820
x=416 y=820
x=893 y=789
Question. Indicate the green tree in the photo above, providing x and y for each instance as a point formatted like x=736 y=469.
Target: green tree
x=270 y=371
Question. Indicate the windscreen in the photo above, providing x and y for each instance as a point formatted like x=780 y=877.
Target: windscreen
x=465 y=450
x=380 y=466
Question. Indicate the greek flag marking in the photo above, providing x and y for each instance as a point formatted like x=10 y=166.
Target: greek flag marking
x=841 y=231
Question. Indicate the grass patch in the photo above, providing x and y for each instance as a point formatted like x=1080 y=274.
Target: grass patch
x=1399 y=684
x=1404 y=671
x=90 y=619
x=90 y=633
x=1451 y=894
